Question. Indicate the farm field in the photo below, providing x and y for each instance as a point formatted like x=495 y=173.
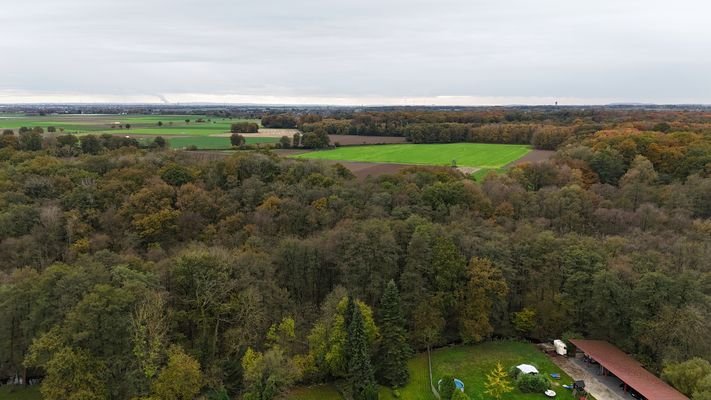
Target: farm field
x=211 y=134
x=212 y=143
x=477 y=155
x=468 y=363
x=140 y=124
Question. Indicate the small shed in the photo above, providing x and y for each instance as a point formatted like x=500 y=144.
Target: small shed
x=527 y=369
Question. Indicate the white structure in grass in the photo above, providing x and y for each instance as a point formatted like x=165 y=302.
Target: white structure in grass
x=527 y=369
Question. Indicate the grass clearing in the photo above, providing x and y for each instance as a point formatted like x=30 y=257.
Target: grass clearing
x=472 y=363
x=468 y=363
x=479 y=155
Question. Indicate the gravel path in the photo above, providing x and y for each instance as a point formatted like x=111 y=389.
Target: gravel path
x=596 y=388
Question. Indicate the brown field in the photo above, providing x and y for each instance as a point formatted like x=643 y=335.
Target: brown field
x=363 y=170
x=533 y=156
x=263 y=132
x=350 y=140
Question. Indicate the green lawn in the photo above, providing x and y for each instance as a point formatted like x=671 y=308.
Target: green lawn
x=468 y=363
x=472 y=363
x=13 y=393
x=465 y=154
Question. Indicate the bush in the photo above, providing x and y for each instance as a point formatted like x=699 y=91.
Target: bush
x=459 y=395
x=514 y=372
x=285 y=142
x=447 y=387
x=237 y=140
x=532 y=383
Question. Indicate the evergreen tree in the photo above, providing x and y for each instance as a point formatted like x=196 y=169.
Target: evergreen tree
x=347 y=319
x=350 y=309
x=394 y=349
x=360 y=370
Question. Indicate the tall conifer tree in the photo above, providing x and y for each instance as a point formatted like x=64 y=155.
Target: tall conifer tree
x=394 y=349
x=360 y=371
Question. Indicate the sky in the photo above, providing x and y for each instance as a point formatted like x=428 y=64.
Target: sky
x=356 y=52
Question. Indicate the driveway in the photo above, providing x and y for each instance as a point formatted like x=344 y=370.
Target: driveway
x=593 y=385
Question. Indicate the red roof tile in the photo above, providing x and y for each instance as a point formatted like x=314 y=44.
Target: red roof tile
x=628 y=370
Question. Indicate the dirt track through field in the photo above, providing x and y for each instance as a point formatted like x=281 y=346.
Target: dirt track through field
x=532 y=157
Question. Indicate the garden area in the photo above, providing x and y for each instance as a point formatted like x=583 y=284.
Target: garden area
x=470 y=364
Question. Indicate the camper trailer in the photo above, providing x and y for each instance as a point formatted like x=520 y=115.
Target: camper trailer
x=560 y=347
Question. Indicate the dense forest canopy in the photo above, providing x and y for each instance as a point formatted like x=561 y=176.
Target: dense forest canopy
x=135 y=268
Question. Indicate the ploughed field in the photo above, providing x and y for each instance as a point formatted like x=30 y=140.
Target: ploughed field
x=475 y=155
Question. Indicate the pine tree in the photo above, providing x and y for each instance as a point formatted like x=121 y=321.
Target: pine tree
x=497 y=382
x=394 y=350
x=360 y=370
x=347 y=320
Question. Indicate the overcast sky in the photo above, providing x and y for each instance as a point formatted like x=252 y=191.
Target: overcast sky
x=356 y=52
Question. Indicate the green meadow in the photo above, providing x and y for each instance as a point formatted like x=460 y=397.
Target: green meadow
x=479 y=155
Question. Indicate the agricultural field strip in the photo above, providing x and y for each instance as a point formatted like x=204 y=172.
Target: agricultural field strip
x=465 y=154
x=140 y=124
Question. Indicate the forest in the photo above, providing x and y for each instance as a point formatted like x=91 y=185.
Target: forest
x=147 y=273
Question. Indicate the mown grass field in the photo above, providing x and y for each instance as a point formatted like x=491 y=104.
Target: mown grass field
x=468 y=363
x=479 y=155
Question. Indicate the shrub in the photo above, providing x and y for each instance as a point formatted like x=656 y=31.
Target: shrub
x=237 y=140
x=532 y=383
x=285 y=142
x=447 y=387
x=514 y=371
